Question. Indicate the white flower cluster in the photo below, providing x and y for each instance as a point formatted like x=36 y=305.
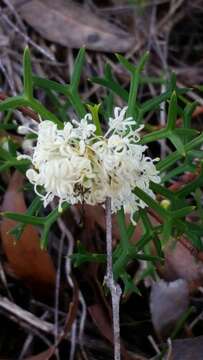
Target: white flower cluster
x=76 y=165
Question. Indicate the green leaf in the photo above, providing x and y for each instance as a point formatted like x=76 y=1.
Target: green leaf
x=5 y=155
x=129 y=286
x=152 y=80
x=177 y=171
x=187 y=132
x=195 y=154
x=112 y=85
x=150 y=230
x=108 y=102
x=167 y=230
x=192 y=186
x=148 y=257
x=95 y=117
x=50 y=85
x=168 y=161
x=79 y=62
x=187 y=117
x=126 y=64
x=154 y=136
x=27 y=74
x=194 y=143
x=58 y=108
x=181 y=321
x=172 y=81
x=146 y=223
x=154 y=103
x=187 y=114
x=123 y=229
x=8 y=127
x=145 y=239
x=18 y=164
x=182 y=212
x=26 y=219
x=162 y=190
x=172 y=112
x=158 y=246
x=13 y=103
x=33 y=208
x=78 y=259
x=135 y=79
x=176 y=141
x=76 y=103
x=48 y=222
x=12 y=147
x=172 y=158
x=44 y=113
x=150 y=202
x=82 y=256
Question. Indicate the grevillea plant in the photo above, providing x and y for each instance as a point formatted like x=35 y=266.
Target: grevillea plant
x=101 y=156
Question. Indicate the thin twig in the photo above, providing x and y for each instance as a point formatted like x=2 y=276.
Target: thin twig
x=82 y=318
x=57 y=287
x=73 y=340
x=25 y=36
x=23 y=316
x=170 y=349
x=70 y=239
x=30 y=339
x=4 y=282
x=154 y=345
x=114 y=288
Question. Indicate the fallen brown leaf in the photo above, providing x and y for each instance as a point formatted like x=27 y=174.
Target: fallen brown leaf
x=168 y=302
x=28 y=262
x=181 y=263
x=187 y=349
x=72 y=25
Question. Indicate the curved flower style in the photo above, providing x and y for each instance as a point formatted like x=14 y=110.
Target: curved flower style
x=76 y=165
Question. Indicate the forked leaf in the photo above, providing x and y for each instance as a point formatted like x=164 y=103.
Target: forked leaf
x=176 y=141
x=126 y=64
x=129 y=285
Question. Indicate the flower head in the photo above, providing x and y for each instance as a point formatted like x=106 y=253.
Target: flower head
x=76 y=165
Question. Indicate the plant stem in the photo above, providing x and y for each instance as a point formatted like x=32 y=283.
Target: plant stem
x=114 y=288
